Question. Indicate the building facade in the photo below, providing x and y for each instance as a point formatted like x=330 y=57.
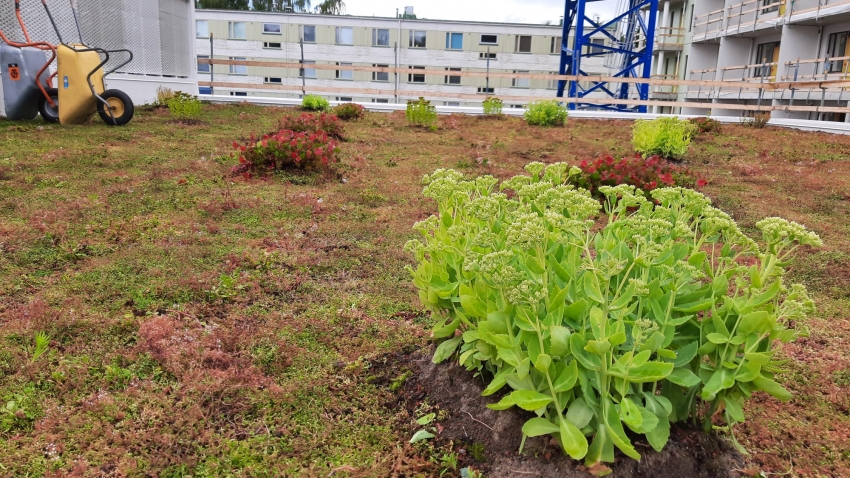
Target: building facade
x=409 y=44
x=754 y=42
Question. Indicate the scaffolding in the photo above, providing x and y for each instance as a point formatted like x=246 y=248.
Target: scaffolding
x=627 y=52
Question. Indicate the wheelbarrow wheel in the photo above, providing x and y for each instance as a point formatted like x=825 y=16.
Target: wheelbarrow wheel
x=48 y=112
x=120 y=105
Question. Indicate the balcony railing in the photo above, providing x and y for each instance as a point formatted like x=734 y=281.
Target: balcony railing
x=837 y=68
x=753 y=14
x=669 y=38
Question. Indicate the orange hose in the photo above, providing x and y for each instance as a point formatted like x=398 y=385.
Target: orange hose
x=21 y=20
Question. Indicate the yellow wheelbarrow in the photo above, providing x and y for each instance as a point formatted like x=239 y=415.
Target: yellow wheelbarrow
x=81 y=91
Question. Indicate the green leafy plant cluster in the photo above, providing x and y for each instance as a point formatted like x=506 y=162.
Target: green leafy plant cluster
x=421 y=113
x=315 y=103
x=184 y=106
x=666 y=312
x=492 y=106
x=665 y=137
x=349 y=111
x=546 y=113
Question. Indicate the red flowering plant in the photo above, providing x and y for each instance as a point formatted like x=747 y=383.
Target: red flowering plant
x=285 y=150
x=644 y=174
x=313 y=123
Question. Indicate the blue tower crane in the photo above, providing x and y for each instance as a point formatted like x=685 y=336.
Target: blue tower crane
x=628 y=52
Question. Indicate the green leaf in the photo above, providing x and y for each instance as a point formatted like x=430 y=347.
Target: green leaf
x=573 y=440
x=560 y=271
x=754 y=322
x=697 y=259
x=591 y=287
x=734 y=409
x=721 y=379
x=617 y=434
x=523 y=321
x=695 y=307
x=421 y=435
x=648 y=372
x=498 y=321
x=659 y=435
x=567 y=379
x=542 y=363
x=531 y=263
x=539 y=426
x=579 y=414
x=577 y=309
x=720 y=285
x=587 y=360
x=683 y=377
x=473 y=306
x=505 y=403
x=685 y=354
x=559 y=338
x=509 y=356
x=530 y=400
x=655 y=341
x=773 y=388
x=629 y=413
x=597 y=347
x=617 y=339
x=716 y=338
x=442 y=330
x=425 y=420
x=497 y=383
x=559 y=299
x=446 y=349
x=765 y=296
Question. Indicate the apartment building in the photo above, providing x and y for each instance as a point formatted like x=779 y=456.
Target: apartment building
x=754 y=42
x=410 y=44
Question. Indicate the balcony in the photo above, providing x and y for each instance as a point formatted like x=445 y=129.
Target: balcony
x=669 y=39
x=749 y=16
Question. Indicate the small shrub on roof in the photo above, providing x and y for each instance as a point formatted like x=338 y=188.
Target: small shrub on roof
x=349 y=111
x=545 y=113
x=315 y=103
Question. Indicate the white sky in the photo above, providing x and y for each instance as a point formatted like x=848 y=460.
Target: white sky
x=516 y=11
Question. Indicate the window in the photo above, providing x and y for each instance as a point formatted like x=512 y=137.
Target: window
x=488 y=91
x=380 y=37
x=766 y=53
x=592 y=49
x=344 y=99
x=238 y=69
x=484 y=56
x=271 y=28
x=380 y=100
x=344 y=74
x=489 y=39
x=417 y=39
x=451 y=103
x=344 y=36
x=520 y=82
x=269 y=45
x=523 y=44
x=555 y=47
x=772 y=6
x=309 y=33
x=273 y=80
x=452 y=80
x=691 y=16
x=379 y=75
x=204 y=67
x=238 y=93
x=202 y=29
x=416 y=77
x=837 y=48
x=307 y=72
x=236 y=31
x=454 y=41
